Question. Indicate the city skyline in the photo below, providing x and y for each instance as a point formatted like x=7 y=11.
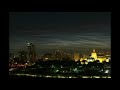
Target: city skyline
x=59 y=30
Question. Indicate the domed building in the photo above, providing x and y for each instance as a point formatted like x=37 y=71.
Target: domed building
x=94 y=54
x=101 y=58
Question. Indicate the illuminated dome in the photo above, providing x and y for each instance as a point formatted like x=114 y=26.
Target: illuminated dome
x=94 y=54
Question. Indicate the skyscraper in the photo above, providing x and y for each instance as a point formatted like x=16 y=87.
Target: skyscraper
x=31 y=52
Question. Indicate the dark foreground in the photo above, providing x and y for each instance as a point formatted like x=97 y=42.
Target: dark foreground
x=62 y=70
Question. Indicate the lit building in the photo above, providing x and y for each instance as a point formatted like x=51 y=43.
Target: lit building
x=101 y=58
x=83 y=57
x=90 y=59
x=80 y=56
x=31 y=52
x=76 y=56
x=84 y=62
x=108 y=56
x=107 y=59
x=94 y=54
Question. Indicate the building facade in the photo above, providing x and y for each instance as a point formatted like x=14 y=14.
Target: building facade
x=94 y=54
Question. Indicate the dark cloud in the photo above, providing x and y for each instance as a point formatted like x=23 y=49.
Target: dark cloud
x=60 y=29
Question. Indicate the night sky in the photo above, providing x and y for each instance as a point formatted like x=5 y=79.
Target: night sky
x=59 y=30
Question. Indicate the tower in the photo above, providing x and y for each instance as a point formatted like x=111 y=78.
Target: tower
x=31 y=52
x=94 y=54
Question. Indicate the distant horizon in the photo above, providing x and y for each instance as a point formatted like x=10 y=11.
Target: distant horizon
x=80 y=51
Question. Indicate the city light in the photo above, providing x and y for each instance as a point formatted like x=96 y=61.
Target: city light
x=60 y=67
x=107 y=71
x=57 y=70
x=60 y=44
